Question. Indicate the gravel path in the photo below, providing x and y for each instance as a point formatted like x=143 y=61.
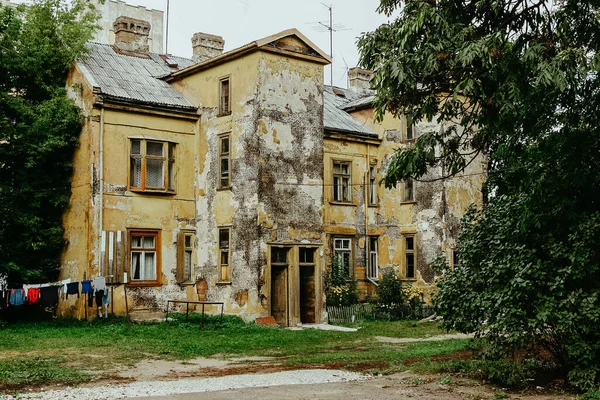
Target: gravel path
x=167 y=388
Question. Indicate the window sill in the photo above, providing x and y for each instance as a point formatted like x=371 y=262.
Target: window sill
x=408 y=202
x=409 y=279
x=157 y=192
x=223 y=283
x=144 y=284
x=373 y=205
x=342 y=203
x=224 y=114
x=224 y=188
x=187 y=283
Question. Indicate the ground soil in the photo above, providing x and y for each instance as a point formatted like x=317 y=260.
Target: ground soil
x=399 y=386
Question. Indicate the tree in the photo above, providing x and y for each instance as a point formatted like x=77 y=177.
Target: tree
x=520 y=80
x=39 y=129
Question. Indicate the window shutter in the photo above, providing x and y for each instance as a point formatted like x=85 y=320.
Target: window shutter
x=179 y=276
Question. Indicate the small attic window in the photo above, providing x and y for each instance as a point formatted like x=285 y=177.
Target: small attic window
x=169 y=61
x=339 y=92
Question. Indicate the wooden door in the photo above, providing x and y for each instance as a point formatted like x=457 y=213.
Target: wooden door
x=279 y=294
x=307 y=294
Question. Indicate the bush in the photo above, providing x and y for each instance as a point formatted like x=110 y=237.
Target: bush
x=396 y=300
x=340 y=289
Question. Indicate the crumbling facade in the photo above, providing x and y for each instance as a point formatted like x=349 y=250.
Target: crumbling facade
x=237 y=177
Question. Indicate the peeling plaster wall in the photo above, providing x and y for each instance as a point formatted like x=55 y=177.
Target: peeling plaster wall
x=122 y=208
x=433 y=217
x=276 y=169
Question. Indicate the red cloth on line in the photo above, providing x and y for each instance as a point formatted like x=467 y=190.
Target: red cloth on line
x=33 y=296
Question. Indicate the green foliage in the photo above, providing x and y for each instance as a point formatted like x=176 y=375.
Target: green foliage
x=389 y=291
x=521 y=81
x=592 y=394
x=39 y=129
x=36 y=371
x=340 y=289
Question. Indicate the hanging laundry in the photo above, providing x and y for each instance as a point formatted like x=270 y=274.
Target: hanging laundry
x=72 y=288
x=99 y=297
x=33 y=295
x=49 y=296
x=100 y=283
x=87 y=289
x=17 y=297
x=106 y=300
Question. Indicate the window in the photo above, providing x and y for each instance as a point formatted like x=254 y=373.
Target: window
x=372 y=185
x=307 y=256
x=408 y=193
x=185 y=243
x=145 y=261
x=279 y=256
x=455 y=259
x=341 y=181
x=152 y=166
x=373 y=267
x=224 y=104
x=409 y=128
x=224 y=256
x=409 y=252
x=342 y=249
x=224 y=162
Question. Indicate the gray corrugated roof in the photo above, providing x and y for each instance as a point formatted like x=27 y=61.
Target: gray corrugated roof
x=335 y=118
x=133 y=78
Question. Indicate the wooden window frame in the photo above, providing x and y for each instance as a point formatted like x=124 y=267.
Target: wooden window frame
x=454 y=258
x=410 y=253
x=156 y=233
x=338 y=196
x=373 y=270
x=185 y=251
x=410 y=132
x=224 y=98
x=168 y=166
x=224 y=269
x=408 y=186
x=342 y=250
x=224 y=156
x=372 y=188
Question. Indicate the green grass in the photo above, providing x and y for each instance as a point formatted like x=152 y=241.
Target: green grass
x=61 y=350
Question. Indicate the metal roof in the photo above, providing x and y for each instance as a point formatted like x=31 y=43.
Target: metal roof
x=366 y=101
x=335 y=118
x=133 y=78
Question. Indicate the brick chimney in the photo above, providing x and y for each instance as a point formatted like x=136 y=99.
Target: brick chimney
x=131 y=34
x=206 y=46
x=360 y=78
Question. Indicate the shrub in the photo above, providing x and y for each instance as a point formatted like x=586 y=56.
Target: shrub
x=340 y=289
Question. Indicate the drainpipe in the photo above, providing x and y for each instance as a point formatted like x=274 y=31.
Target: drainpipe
x=101 y=178
x=366 y=206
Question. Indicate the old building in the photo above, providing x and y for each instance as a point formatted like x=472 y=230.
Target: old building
x=238 y=176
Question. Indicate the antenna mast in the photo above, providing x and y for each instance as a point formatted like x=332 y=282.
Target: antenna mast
x=167 y=31
x=329 y=26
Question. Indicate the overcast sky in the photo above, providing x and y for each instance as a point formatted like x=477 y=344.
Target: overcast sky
x=242 y=21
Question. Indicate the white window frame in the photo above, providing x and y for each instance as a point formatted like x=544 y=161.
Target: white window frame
x=408 y=191
x=224 y=156
x=373 y=267
x=343 y=246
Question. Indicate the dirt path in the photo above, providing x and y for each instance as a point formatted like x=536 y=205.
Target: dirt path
x=437 y=338
x=402 y=386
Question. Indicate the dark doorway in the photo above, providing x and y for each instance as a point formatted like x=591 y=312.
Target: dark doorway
x=307 y=285
x=307 y=294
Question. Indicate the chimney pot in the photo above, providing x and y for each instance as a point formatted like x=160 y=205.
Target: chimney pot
x=132 y=34
x=360 y=78
x=206 y=46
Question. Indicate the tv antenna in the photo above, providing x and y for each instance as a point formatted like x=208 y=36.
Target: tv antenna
x=331 y=27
